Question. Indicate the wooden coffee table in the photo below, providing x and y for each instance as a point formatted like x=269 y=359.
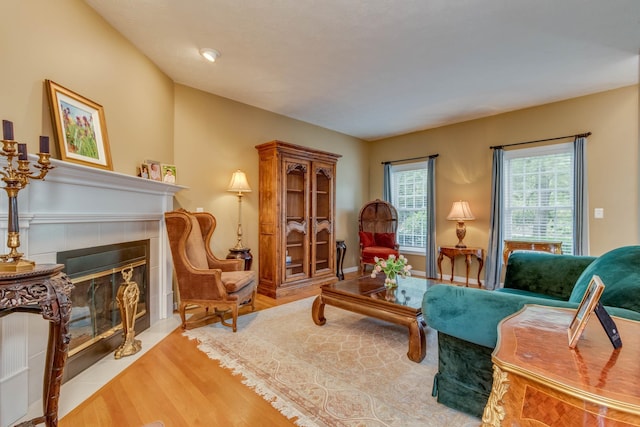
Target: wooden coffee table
x=402 y=306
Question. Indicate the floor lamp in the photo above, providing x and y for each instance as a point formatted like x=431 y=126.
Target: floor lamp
x=239 y=185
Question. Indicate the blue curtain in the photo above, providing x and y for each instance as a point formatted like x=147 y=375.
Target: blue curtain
x=580 y=196
x=430 y=258
x=494 y=250
x=386 y=183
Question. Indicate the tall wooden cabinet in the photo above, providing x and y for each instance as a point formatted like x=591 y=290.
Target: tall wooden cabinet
x=297 y=218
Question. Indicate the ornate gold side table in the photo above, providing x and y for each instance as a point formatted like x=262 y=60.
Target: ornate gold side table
x=539 y=381
x=45 y=290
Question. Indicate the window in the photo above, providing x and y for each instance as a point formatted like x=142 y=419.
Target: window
x=409 y=197
x=538 y=194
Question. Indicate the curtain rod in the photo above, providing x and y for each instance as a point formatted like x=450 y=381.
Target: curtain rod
x=433 y=156
x=579 y=135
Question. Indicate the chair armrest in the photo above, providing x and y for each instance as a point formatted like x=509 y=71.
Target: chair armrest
x=473 y=314
x=226 y=264
x=209 y=284
x=544 y=273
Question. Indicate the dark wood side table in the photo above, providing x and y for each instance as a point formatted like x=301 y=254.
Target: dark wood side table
x=46 y=291
x=341 y=249
x=244 y=253
x=539 y=381
x=452 y=252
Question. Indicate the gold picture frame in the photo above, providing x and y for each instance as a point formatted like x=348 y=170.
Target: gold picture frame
x=80 y=127
x=586 y=307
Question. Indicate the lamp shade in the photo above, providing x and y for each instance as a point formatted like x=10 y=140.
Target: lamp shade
x=460 y=211
x=239 y=183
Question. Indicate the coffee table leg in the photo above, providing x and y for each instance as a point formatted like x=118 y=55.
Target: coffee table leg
x=417 y=340
x=317 y=311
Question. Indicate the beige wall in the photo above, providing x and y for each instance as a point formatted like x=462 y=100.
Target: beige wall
x=67 y=42
x=463 y=169
x=214 y=136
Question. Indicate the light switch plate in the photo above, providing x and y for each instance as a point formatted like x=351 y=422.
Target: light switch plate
x=598 y=213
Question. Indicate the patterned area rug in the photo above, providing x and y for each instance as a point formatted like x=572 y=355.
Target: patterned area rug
x=353 y=371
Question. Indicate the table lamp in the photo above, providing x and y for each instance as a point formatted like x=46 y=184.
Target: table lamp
x=460 y=212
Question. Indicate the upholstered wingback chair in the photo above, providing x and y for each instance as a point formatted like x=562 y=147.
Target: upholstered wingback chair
x=378 y=223
x=203 y=279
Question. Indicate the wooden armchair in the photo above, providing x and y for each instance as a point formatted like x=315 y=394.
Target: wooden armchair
x=378 y=223
x=203 y=279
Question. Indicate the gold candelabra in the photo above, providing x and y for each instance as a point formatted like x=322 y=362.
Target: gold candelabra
x=16 y=177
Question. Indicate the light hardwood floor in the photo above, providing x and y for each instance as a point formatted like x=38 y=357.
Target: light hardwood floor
x=179 y=385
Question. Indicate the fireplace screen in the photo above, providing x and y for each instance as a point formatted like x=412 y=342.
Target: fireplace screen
x=95 y=313
x=96 y=325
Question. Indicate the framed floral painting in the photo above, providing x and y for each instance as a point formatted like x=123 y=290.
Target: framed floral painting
x=80 y=127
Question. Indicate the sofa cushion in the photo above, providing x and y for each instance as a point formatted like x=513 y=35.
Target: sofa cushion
x=379 y=251
x=545 y=274
x=366 y=239
x=387 y=240
x=619 y=270
x=233 y=281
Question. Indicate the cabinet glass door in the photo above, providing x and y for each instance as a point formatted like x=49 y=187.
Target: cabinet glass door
x=323 y=246
x=297 y=221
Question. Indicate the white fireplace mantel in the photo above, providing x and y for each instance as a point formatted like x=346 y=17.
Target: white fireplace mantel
x=77 y=207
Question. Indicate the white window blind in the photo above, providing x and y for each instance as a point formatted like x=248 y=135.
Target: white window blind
x=539 y=199
x=409 y=197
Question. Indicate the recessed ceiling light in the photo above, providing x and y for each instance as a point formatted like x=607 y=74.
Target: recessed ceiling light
x=210 y=54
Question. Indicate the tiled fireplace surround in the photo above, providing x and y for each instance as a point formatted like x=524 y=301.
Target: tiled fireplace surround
x=77 y=207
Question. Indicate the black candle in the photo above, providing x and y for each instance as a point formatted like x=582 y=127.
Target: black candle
x=44 y=144
x=7 y=130
x=22 y=150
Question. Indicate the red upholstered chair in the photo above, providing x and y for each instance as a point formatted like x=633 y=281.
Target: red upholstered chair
x=221 y=286
x=378 y=223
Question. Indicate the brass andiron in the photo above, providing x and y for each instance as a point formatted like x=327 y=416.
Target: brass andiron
x=15 y=179
x=128 y=297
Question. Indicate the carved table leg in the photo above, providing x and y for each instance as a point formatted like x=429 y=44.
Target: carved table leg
x=317 y=311
x=480 y=265
x=494 y=412
x=467 y=260
x=58 y=312
x=417 y=340
x=453 y=264
x=341 y=249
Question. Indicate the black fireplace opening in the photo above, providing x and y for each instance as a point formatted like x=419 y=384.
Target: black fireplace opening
x=96 y=273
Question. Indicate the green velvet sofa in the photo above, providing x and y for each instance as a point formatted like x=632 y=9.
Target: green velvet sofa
x=467 y=318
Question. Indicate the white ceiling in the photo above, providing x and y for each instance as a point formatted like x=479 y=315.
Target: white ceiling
x=378 y=68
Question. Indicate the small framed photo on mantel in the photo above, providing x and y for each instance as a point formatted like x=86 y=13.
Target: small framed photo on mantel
x=169 y=173
x=144 y=170
x=155 y=171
